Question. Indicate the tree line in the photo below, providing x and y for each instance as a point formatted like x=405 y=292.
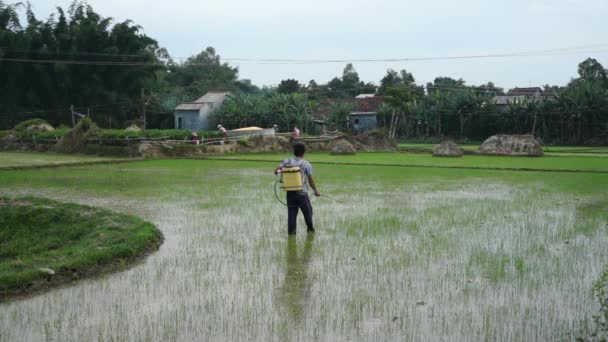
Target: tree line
x=118 y=75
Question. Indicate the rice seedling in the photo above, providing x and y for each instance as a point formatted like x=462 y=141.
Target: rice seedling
x=402 y=254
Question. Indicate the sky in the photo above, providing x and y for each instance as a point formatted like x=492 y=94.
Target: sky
x=379 y=29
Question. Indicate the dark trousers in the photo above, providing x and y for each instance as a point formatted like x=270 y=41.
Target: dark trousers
x=298 y=201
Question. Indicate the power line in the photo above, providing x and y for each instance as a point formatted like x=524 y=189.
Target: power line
x=72 y=53
x=546 y=52
x=71 y=62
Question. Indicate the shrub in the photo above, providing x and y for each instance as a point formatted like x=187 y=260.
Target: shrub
x=243 y=142
x=173 y=134
x=22 y=126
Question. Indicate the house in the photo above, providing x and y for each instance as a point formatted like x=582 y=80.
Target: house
x=360 y=122
x=195 y=115
x=364 y=118
x=519 y=95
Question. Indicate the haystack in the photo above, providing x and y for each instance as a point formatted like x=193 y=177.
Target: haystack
x=448 y=149
x=511 y=145
x=75 y=140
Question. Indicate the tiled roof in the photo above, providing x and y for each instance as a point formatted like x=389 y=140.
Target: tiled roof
x=363 y=113
x=210 y=97
x=531 y=91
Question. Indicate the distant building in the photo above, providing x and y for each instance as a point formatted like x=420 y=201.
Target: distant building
x=360 y=122
x=195 y=115
x=364 y=118
x=519 y=95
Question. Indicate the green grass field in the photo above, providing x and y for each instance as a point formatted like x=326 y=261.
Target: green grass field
x=20 y=159
x=400 y=253
x=468 y=161
x=68 y=240
x=598 y=151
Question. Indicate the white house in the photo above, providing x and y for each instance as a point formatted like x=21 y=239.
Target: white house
x=195 y=115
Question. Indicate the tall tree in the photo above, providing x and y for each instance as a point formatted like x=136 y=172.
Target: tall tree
x=82 y=51
x=288 y=86
x=591 y=69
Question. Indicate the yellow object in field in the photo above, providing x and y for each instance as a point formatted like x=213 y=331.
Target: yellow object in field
x=291 y=177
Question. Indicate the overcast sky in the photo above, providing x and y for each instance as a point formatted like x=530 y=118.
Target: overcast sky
x=379 y=29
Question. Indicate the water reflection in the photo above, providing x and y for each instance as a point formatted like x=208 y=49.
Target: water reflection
x=296 y=285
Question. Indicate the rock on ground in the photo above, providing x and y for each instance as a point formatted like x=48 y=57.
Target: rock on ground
x=448 y=149
x=40 y=128
x=133 y=128
x=265 y=143
x=511 y=145
x=343 y=147
x=374 y=141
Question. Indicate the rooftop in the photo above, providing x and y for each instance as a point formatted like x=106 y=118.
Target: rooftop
x=363 y=113
x=210 y=97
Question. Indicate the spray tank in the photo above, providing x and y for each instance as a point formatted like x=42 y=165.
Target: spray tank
x=291 y=178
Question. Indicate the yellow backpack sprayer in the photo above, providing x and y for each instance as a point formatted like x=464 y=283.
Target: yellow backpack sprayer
x=291 y=179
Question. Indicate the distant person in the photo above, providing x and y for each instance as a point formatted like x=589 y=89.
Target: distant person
x=298 y=200
x=275 y=128
x=194 y=138
x=296 y=132
x=222 y=132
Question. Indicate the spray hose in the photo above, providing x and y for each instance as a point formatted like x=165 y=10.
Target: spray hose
x=276 y=195
x=275 y=192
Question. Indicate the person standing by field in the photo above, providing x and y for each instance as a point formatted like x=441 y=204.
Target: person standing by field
x=298 y=200
x=296 y=132
x=221 y=130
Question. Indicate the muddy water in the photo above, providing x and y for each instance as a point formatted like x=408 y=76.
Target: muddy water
x=395 y=263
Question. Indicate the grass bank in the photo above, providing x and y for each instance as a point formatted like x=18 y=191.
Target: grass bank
x=27 y=159
x=569 y=163
x=47 y=243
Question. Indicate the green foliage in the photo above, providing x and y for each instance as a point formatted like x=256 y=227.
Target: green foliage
x=52 y=135
x=22 y=126
x=89 y=36
x=64 y=237
x=266 y=109
x=448 y=108
x=288 y=86
x=171 y=134
x=200 y=74
x=243 y=142
x=349 y=85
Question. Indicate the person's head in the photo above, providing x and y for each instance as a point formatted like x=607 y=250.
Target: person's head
x=219 y=126
x=299 y=149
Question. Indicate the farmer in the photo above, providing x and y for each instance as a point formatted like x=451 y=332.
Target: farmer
x=194 y=138
x=296 y=132
x=222 y=131
x=298 y=200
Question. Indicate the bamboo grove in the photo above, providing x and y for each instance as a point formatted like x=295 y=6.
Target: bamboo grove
x=116 y=73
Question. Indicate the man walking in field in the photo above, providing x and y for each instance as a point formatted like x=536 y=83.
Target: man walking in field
x=298 y=200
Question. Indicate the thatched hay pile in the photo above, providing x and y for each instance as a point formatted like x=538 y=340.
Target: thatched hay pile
x=75 y=140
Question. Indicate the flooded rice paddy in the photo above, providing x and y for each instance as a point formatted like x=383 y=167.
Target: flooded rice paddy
x=420 y=260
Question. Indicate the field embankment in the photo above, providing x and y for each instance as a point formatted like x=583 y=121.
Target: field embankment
x=47 y=243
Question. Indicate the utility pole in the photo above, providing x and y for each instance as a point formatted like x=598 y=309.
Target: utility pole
x=73 y=120
x=143 y=106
